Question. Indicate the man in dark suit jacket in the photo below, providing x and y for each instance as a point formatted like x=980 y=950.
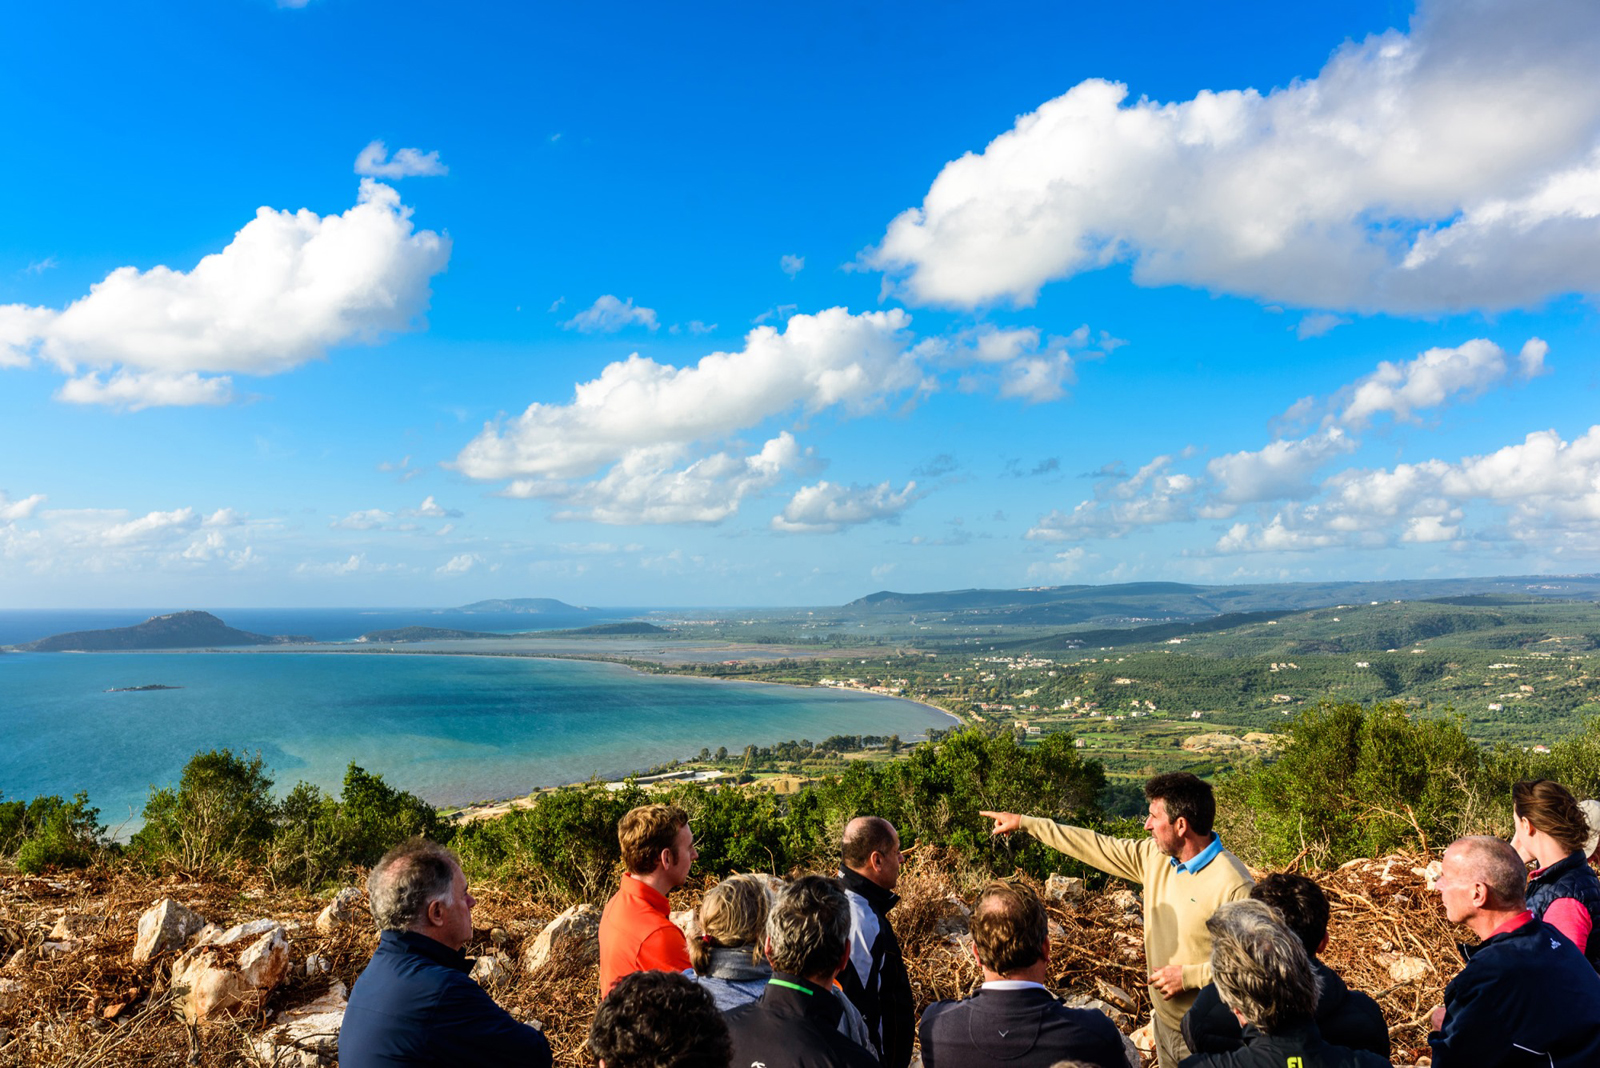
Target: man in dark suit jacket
x=1013 y=1020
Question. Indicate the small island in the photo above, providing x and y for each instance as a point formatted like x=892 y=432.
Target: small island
x=142 y=689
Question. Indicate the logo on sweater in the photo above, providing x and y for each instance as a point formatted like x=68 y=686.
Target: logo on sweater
x=1295 y=1062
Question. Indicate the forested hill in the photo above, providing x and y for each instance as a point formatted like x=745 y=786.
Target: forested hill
x=177 y=630
x=1165 y=602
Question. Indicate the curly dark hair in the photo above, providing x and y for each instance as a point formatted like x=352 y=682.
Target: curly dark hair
x=659 y=1020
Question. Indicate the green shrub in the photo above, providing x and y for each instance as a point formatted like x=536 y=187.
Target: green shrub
x=1356 y=782
x=318 y=838
x=49 y=832
x=564 y=847
x=220 y=813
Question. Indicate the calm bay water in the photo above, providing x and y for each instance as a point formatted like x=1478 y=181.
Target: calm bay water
x=452 y=729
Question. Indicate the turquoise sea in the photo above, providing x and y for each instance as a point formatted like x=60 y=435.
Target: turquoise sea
x=452 y=729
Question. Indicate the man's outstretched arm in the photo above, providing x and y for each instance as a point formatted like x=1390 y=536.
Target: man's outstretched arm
x=1122 y=857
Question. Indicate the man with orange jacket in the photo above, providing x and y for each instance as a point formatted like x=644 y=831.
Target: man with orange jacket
x=636 y=930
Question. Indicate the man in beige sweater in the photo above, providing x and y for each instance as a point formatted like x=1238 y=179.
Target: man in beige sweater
x=1185 y=873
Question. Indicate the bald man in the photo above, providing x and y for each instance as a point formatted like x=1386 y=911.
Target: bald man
x=1526 y=995
x=875 y=979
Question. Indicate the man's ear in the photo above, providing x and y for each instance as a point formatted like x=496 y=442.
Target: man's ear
x=1044 y=950
x=435 y=912
x=844 y=961
x=1322 y=945
x=1181 y=825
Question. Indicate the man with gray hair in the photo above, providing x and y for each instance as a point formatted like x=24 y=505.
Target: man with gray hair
x=795 y=1024
x=1526 y=995
x=415 y=1004
x=1263 y=973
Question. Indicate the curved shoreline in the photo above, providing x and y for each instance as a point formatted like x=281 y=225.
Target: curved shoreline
x=508 y=778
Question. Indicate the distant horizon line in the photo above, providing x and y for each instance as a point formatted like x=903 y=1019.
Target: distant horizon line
x=811 y=604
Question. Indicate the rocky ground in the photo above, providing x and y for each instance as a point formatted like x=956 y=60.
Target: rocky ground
x=110 y=968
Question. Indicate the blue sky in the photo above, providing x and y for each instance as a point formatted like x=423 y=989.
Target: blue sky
x=348 y=303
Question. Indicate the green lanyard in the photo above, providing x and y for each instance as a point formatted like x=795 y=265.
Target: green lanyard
x=792 y=986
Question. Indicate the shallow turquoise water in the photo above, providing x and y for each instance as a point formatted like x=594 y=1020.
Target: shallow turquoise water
x=452 y=729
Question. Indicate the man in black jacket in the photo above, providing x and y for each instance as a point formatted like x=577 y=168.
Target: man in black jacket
x=875 y=980
x=1013 y=1021
x=1345 y=1017
x=1263 y=974
x=415 y=1004
x=1526 y=996
x=795 y=1024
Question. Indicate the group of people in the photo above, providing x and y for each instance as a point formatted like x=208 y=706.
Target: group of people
x=809 y=973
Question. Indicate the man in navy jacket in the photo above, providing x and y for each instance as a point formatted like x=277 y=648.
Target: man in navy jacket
x=415 y=1004
x=1527 y=996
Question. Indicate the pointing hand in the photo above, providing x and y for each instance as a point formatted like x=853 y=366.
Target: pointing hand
x=1004 y=822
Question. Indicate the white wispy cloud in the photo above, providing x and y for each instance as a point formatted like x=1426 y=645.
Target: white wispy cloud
x=826 y=508
x=11 y=511
x=1289 y=468
x=78 y=541
x=1017 y=362
x=460 y=564
x=792 y=265
x=374 y=162
x=1152 y=495
x=607 y=315
x=431 y=509
x=1455 y=166
x=286 y=289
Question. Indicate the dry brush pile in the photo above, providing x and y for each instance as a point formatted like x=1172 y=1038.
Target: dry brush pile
x=80 y=1000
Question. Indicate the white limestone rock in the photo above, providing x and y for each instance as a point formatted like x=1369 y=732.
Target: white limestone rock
x=491 y=973
x=231 y=972
x=166 y=925
x=307 y=1035
x=344 y=910
x=575 y=931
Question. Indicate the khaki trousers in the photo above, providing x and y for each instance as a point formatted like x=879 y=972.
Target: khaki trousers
x=1170 y=1047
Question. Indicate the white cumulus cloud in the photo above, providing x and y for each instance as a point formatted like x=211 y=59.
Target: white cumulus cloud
x=646 y=487
x=1280 y=470
x=607 y=315
x=1434 y=377
x=819 y=361
x=374 y=162
x=459 y=565
x=1542 y=486
x=290 y=286
x=1455 y=166
x=827 y=508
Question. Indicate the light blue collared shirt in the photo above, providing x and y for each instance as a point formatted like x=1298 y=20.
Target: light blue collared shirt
x=1202 y=858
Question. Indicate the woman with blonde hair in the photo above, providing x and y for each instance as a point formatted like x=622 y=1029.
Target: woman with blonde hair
x=727 y=955
x=1552 y=833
